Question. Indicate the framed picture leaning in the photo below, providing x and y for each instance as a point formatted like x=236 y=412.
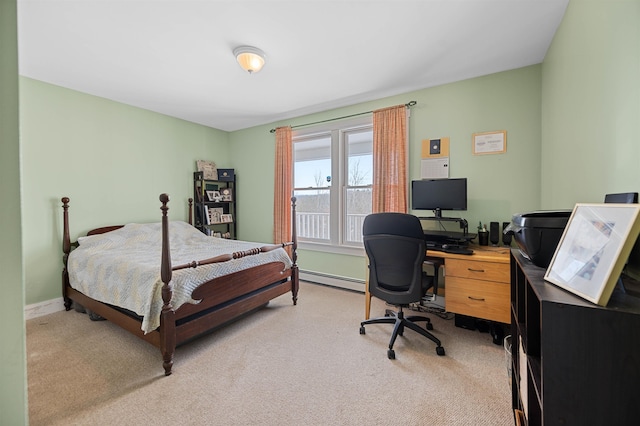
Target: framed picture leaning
x=593 y=249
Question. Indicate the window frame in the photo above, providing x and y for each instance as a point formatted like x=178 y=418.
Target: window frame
x=338 y=187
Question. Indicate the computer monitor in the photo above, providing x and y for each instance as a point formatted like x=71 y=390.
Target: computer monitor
x=439 y=194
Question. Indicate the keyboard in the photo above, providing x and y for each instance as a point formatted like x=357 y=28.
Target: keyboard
x=449 y=248
x=434 y=235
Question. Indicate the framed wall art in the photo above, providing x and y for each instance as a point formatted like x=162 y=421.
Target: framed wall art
x=593 y=249
x=489 y=142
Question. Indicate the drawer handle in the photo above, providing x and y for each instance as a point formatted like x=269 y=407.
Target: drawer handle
x=475 y=270
x=478 y=299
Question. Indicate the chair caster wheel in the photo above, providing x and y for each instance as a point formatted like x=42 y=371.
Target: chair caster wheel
x=362 y=329
x=429 y=326
x=391 y=354
x=440 y=350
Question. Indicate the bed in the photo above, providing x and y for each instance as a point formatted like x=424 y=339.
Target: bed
x=215 y=280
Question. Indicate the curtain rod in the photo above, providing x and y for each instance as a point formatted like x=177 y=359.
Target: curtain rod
x=409 y=104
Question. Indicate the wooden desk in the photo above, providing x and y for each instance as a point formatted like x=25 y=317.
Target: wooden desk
x=476 y=285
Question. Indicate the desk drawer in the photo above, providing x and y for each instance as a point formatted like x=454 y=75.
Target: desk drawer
x=480 y=299
x=477 y=270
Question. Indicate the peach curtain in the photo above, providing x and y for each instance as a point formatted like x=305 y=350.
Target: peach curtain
x=390 y=160
x=283 y=186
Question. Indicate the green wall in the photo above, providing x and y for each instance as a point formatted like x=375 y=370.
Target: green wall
x=110 y=159
x=499 y=185
x=13 y=383
x=591 y=104
x=571 y=123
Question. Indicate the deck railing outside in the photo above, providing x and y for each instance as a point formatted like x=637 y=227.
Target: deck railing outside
x=316 y=226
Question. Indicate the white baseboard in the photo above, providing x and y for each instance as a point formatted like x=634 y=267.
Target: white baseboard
x=43 y=308
x=332 y=280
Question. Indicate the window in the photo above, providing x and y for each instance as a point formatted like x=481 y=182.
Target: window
x=333 y=177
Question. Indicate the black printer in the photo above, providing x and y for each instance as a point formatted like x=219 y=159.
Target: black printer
x=538 y=233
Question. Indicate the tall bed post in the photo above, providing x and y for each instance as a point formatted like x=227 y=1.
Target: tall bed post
x=295 y=284
x=167 y=317
x=190 y=211
x=66 y=249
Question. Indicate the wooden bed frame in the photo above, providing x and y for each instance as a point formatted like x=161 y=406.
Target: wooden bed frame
x=222 y=299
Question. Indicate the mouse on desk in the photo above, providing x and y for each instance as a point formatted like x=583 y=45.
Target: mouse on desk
x=445 y=246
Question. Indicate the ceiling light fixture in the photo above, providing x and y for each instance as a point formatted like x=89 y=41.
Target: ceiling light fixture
x=251 y=59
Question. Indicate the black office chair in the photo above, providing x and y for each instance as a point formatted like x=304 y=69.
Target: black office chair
x=394 y=243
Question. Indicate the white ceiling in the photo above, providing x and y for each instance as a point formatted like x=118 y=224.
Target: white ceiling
x=175 y=56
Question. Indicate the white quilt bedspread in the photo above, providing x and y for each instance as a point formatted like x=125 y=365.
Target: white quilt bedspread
x=122 y=267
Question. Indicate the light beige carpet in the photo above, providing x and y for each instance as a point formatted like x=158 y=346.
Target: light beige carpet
x=283 y=365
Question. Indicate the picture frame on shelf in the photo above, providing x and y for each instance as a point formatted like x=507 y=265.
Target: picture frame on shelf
x=208 y=168
x=593 y=249
x=226 y=218
x=215 y=215
x=227 y=194
x=214 y=196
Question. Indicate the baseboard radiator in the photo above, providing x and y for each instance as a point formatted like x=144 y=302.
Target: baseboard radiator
x=55 y=305
x=332 y=280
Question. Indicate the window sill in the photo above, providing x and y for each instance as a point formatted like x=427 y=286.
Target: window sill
x=328 y=248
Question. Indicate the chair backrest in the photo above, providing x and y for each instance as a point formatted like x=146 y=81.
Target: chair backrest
x=395 y=246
